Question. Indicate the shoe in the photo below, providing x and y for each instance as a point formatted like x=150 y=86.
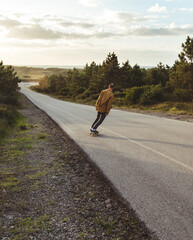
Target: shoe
x=93 y=130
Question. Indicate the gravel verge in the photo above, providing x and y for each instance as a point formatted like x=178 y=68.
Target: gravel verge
x=49 y=188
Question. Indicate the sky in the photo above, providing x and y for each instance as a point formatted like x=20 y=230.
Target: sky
x=76 y=32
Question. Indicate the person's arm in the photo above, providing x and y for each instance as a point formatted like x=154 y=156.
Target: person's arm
x=99 y=99
x=109 y=106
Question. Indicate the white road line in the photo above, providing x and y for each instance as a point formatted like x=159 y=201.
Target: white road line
x=122 y=136
x=152 y=150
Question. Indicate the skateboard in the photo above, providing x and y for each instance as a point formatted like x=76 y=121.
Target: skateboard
x=93 y=134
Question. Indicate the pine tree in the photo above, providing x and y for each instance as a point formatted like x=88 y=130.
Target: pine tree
x=8 y=84
x=110 y=71
x=181 y=76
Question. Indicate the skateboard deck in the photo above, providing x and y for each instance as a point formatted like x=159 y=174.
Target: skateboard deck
x=92 y=134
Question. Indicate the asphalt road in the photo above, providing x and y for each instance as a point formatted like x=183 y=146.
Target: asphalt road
x=148 y=159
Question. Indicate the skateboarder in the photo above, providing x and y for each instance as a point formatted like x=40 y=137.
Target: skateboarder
x=103 y=107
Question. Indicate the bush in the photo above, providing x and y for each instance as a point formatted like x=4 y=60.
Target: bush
x=3 y=127
x=79 y=90
x=84 y=95
x=64 y=91
x=6 y=111
x=152 y=95
x=88 y=95
x=133 y=95
x=183 y=95
x=9 y=113
x=118 y=102
x=120 y=94
x=8 y=117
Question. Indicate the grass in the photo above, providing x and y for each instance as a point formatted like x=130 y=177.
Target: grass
x=26 y=226
x=35 y=74
x=15 y=120
x=64 y=220
x=130 y=222
x=9 y=182
x=43 y=136
x=14 y=169
x=12 y=161
x=37 y=175
x=107 y=225
x=17 y=147
x=165 y=107
x=83 y=235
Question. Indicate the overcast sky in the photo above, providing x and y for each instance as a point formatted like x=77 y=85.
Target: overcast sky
x=76 y=32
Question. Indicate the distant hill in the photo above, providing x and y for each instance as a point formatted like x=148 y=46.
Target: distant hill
x=36 y=73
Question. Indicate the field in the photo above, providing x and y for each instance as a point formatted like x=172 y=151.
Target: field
x=36 y=74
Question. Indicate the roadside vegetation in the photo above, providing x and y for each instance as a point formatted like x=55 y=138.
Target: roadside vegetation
x=160 y=88
x=8 y=99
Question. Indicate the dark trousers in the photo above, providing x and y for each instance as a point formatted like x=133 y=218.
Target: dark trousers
x=100 y=118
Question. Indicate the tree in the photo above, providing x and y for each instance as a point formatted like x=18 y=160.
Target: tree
x=110 y=71
x=43 y=83
x=187 y=50
x=95 y=83
x=137 y=76
x=158 y=75
x=181 y=75
x=8 y=85
x=126 y=71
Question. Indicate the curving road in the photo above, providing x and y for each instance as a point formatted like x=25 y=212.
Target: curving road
x=148 y=159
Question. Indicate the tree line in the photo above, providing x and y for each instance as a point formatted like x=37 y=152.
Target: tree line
x=133 y=84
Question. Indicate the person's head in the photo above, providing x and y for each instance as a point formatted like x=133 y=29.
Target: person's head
x=111 y=86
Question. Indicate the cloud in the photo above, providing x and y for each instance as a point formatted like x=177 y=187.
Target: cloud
x=157 y=9
x=89 y=3
x=171 y=30
x=122 y=17
x=130 y=17
x=34 y=32
x=113 y=25
x=45 y=28
x=9 y=23
x=65 y=22
x=186 y=9
x=77 y=24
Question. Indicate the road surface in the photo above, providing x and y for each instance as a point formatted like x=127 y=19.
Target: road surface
x=148 y=159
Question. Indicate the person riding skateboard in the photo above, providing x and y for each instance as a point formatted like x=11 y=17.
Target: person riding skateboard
x=103 y=106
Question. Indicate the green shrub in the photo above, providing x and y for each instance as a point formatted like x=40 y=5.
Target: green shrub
x=79 y=90
x=64 y=91
x=118 y=102
x=152 y=95
x=3 y=127
x=87 y=95
x=183 y=95
x=8 y=112
x=133 y=95
x=8 y=118
x=119 y=94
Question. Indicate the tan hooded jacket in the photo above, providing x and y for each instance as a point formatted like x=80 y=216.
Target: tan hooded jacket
x=104 y=101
